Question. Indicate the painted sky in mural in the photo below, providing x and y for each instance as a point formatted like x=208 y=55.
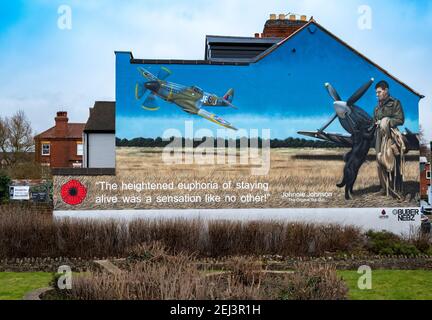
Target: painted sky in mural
x=283 y=92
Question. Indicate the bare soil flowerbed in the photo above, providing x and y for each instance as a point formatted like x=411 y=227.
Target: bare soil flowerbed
x=158 y=275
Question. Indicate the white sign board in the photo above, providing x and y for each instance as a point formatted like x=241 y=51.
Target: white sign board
x=21 y=193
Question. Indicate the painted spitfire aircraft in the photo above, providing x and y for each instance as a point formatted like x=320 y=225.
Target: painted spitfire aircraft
x=190 y=99
x=350 y=117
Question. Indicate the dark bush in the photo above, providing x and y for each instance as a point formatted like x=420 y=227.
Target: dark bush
x=386 y=243
x=4 y=187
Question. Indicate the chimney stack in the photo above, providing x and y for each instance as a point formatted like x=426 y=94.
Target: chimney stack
x=282 y=27
x=61 y=123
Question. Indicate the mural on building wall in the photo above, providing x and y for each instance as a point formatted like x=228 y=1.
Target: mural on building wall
x=190 y=99
x=312 y=124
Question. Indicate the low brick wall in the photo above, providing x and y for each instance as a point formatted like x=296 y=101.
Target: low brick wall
x=349 y=263
x=352 y=263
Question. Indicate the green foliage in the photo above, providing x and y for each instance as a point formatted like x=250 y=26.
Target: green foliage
x=386 y=243
x=391 y=285
x=4 y=187
x=14 y=285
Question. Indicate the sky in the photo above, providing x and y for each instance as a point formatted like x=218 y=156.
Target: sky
x=45 y=68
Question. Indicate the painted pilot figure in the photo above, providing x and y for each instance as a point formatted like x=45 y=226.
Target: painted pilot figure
x=388 y=114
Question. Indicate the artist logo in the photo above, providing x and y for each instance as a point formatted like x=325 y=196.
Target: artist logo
x=384 y=215
x=406 y=215
x=73 y=192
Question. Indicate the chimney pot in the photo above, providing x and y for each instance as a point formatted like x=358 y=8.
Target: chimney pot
x=272 y=16
x=303 y=18
x=292 y=17
x=257 y=35
x=281 y=17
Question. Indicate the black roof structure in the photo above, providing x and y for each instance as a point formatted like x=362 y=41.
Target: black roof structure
x=102 y=118
x=236 y=49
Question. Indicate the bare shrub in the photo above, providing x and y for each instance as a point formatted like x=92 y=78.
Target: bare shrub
x=165 y=278
x=246 y=270
x=315 y=282
x=26 y=234
x=168 y=277
x=147 y=251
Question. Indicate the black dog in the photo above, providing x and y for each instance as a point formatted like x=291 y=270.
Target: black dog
x=362 y=140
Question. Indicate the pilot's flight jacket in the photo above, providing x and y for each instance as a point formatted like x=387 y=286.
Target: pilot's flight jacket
x=391 y=108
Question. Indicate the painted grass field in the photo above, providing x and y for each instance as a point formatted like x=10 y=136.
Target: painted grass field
x=292 y=171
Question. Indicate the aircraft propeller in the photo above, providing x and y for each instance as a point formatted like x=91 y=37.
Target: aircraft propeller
x=345 y=109
x=332 y=91
x=360 y=92
x=150 y=87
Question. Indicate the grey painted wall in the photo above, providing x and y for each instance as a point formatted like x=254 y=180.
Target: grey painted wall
x=99 y=148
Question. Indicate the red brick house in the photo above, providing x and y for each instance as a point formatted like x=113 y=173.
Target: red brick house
x=62 y=145
x=425 y=178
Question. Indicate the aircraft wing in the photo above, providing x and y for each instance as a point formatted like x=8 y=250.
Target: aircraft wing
x=411 y=139
x=216 y=119
x=338 y=139
x=147 y=74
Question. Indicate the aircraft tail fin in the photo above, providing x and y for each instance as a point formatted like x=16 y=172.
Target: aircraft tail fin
x=229 y=96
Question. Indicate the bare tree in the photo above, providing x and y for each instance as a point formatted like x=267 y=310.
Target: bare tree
x=424 y=144
x=4 y=140
x=16 y=137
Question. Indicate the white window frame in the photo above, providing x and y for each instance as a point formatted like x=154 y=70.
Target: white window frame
x=49 y=149
x=82 y=149
x=428 y=174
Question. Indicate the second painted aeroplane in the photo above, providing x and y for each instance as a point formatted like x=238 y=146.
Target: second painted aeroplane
x=190 y=99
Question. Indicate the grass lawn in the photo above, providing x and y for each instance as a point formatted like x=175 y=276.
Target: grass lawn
x=386 y=284
x=392 y=285
x=14 y=285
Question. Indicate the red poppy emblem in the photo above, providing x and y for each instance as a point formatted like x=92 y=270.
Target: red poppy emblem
x=73 y=192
